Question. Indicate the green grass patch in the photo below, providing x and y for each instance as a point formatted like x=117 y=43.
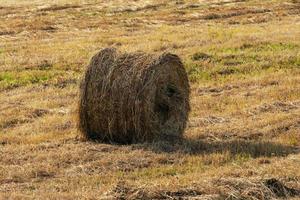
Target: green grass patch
x=22 y=78
x=246 y=60
x=258 y=47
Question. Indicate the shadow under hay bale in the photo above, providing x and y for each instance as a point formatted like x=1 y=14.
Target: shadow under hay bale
x=129 y=98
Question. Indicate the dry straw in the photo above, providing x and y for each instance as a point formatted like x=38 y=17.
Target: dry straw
x=127 y=98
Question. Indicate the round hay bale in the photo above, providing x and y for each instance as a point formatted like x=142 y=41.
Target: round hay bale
x=128 y=98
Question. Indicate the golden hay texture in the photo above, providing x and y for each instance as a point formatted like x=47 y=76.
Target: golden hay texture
x=128 y=98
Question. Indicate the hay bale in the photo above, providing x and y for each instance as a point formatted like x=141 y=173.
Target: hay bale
x=127 y=98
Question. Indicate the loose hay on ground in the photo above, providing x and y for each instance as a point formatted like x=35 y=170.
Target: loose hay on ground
x=126 y=98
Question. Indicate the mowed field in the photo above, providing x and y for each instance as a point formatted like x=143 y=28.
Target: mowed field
x=243 y=62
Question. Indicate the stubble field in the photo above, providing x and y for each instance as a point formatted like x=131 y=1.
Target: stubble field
x=243 y=136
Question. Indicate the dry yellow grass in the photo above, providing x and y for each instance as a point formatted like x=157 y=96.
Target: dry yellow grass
x=243 y=62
